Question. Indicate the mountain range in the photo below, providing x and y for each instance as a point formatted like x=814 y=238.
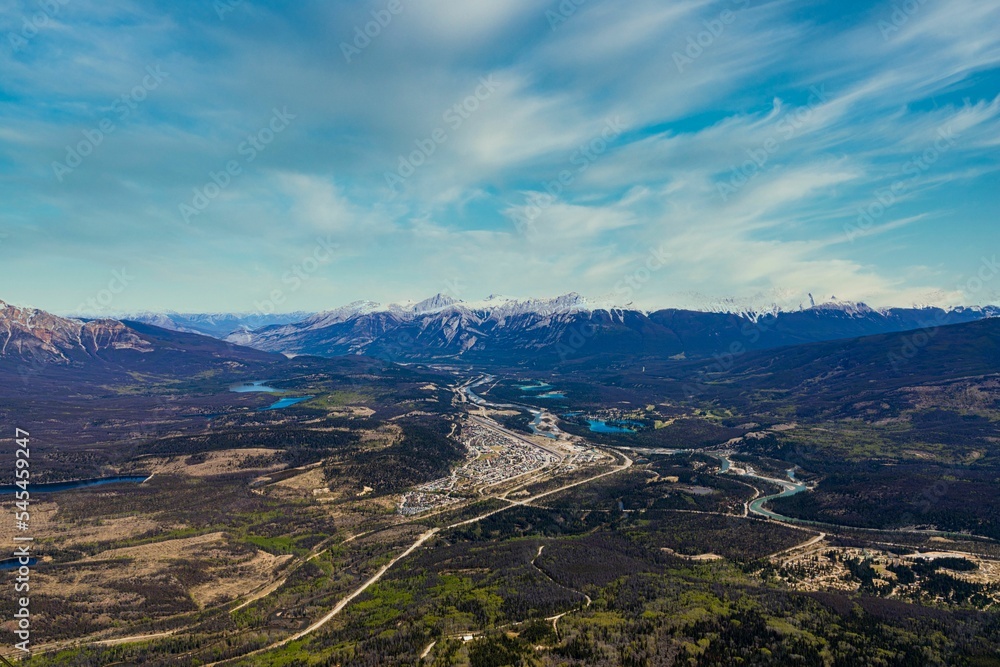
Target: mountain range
x=569 y=327
x=499 y=330
x=35 y=344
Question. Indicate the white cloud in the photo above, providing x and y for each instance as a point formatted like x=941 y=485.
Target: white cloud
x=782 y=232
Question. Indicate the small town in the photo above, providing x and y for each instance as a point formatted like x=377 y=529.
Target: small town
x=493 y=457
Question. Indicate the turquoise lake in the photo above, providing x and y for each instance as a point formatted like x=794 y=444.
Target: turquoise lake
x=286 y=402
x=601 y=426
x=246 y=387
x=536 y=387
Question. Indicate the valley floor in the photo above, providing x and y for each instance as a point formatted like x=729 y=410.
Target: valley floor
x=535 y=548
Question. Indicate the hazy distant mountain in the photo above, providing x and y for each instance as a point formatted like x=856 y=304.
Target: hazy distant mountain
x=217 y=325
x=511 y=331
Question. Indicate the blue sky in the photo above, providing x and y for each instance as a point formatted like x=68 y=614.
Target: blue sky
x=248 y=155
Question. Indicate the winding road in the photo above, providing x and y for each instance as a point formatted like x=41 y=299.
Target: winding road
x=555 y=619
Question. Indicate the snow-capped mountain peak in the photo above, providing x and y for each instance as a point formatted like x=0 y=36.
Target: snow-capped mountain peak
x=851 y=308
x=342 y=314
x=435 y=303
x=493 y=306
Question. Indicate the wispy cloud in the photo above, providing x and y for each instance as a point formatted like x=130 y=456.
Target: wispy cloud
x=784 y=125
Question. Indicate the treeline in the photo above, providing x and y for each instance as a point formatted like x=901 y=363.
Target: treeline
x=425 y=452
x=950 y=498
x=268 y=437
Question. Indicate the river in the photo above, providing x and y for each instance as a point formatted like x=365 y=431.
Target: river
x=789 y=488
